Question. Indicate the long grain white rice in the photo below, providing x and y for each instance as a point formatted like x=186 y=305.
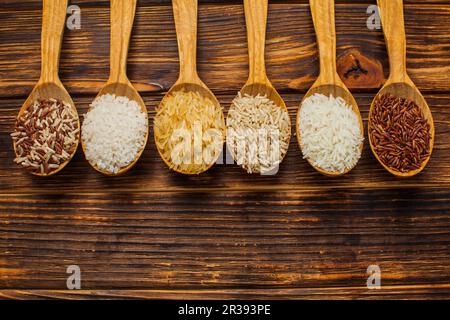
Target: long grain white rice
x=330 y=133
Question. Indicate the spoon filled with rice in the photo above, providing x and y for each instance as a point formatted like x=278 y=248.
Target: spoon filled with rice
x=258 y=123
x=329 y=126
x=189 y=125
x=46 y=134
x=115 y=128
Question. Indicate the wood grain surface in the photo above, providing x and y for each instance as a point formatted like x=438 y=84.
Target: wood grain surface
x=153 y=233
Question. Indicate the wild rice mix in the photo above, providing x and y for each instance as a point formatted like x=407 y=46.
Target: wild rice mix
x=45 y=135
x=399 y=132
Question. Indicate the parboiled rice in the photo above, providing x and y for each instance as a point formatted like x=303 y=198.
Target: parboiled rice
x=189 y=132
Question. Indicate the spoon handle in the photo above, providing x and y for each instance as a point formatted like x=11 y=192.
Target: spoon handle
x=122 y=17
x=256 y=21
x=323 y=17
x=185 y=15
x=53 y=20
x=391 y=12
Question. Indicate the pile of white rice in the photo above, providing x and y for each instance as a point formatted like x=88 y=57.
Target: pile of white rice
x=330 y=133
x=258 y=133
x=113 y=132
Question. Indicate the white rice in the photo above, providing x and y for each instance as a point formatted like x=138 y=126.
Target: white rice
x=258 y=133
x=113 y=132
x=330 y=133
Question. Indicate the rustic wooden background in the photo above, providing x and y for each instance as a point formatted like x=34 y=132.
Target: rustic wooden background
x=225 y=234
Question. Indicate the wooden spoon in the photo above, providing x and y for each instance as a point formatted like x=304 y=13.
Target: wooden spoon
x=399 y=84
x=122 y=17
x=185 y=14
x=328 y=83
x=49 y=85
x=258 y=82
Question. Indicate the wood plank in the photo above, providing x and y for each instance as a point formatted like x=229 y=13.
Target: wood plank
x=151 y=174
x=423 y=292
x=153 y=62
x=226 y=240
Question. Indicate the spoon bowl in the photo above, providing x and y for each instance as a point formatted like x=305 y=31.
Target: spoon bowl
x=335 y=91
x=255 y=89
x=203 y=91
x=122 y=90
x=50 y=90
x=407 y=91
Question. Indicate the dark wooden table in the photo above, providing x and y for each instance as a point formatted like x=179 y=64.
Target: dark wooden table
x=225 y=234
